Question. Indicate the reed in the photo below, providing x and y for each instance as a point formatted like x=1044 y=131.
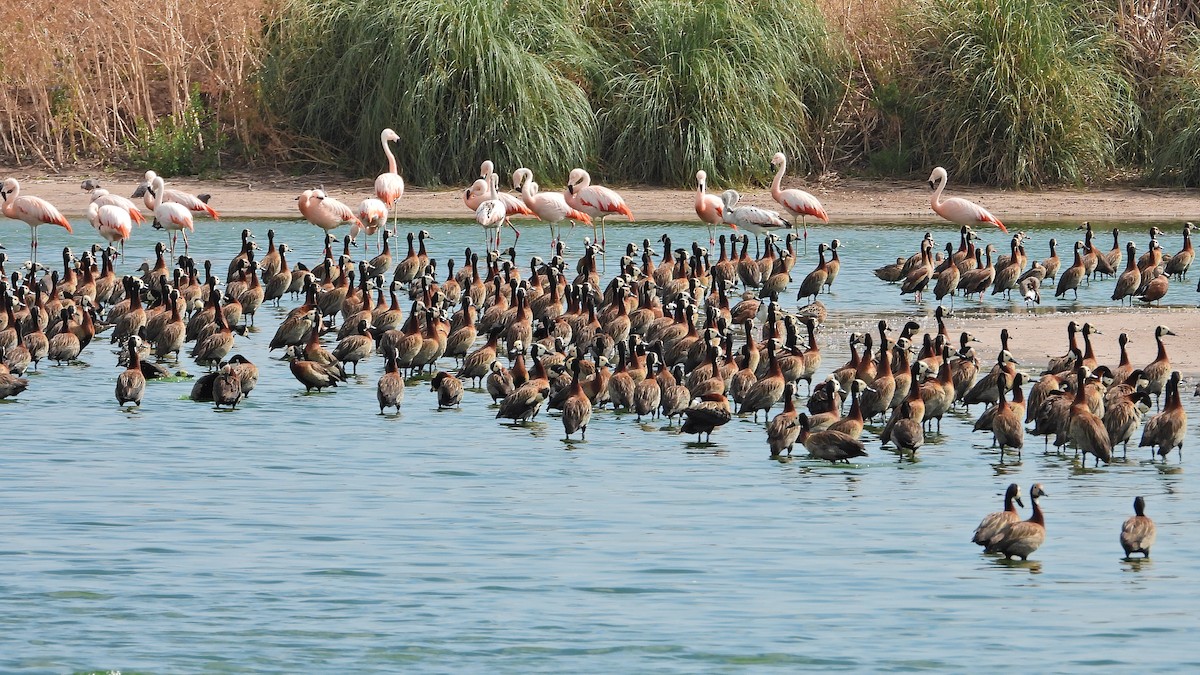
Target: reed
x=1177 y=148
x=719 y=85
x=80 y=77
x=1017 y=92
x=458 y=80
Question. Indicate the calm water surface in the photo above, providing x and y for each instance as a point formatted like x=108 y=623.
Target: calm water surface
x=307 y=532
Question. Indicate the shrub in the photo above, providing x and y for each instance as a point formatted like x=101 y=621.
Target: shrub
x=720 y=85
x=458 y=80
x=1017 y=92
x=182 y=145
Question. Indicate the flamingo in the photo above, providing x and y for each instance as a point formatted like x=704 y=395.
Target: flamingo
x=389 y=187
x=478 y=192
x=373 y=214
x=595 y=200
x=186 y=199
x=750 y=218
x=112 y=222
x=170 y=216
x=33 y=211
x=708 y=207
x=797 y=202
x=491 y=213
x=549 y=206
x=102 y=197
x=957 y=209
x=326 y=212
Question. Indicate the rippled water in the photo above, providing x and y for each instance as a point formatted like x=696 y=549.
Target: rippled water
x=307 y=532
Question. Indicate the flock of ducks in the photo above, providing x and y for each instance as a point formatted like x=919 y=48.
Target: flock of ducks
x=1004 y=532
x=971 y=271
x=660 y=339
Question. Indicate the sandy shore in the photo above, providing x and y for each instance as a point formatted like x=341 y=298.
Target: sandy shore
x=268 y=194
x=1035 y=337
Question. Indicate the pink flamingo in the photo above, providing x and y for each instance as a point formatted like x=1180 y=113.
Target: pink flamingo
x=708 y=207
x=478 y=192
x=102 y=197
x=186 y=199
x=33 y=211
x=170 y=216
x=549 y=206
x=389 y=187
x=326 y=212
x=374 y=214
x=796 y=201
x=112 y=222
x=491 y=213
x=956 y=209
x=595 y=200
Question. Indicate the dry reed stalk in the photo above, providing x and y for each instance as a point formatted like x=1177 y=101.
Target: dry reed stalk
x=81 y=76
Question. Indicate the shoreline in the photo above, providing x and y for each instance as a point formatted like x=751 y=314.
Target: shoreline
x=270 y=194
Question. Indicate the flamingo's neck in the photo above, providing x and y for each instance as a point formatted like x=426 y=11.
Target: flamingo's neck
x=391 y=158
x=775 y=184
x=935 y=199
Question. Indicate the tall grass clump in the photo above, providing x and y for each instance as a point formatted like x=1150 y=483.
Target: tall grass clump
x=1177 y=148
x=458 y=80
x=1017 y=92
x=720 y=85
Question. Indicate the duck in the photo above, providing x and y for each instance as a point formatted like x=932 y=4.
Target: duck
x=1008 y=427
x=1022 y=538
x=907 y=434
x=577 y=409
x=1084 y=429
x=831 y=446
x=227 y=387
x=1179 y=263
x=1167 y=430
x=1157 y=372
x=1138 y=532
x=784 y=427
x=314 y=375
x=389 y=390
x=449 y=390
x=705 y=414
x=995 y=523
x=1070 y=279
x=131 y=384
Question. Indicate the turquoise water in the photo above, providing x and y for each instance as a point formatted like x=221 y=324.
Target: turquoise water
x=307 y=532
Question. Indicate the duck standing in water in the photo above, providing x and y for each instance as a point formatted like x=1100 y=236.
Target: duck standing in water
x=995 y=523
x=1138 y=533
x=1022 y=538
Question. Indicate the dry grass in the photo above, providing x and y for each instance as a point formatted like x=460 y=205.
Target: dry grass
x=79 y=76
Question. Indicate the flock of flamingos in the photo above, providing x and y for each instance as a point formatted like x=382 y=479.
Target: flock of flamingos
x=655 y=340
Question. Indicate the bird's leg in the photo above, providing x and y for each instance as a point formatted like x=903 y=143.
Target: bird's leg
x=514 y=229
x=185 y=242
x=805 y=222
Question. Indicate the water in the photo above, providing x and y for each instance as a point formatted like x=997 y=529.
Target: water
x=307 y=532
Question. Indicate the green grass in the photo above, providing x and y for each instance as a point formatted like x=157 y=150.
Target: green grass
x=1017 y=92
x=459 y=80
x=184 y=145
x=720 y=85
